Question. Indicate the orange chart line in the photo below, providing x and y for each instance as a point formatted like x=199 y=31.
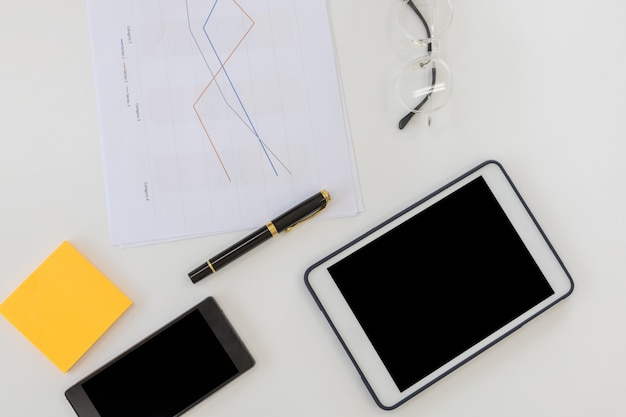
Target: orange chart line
x=213 y=79
x=206 y=132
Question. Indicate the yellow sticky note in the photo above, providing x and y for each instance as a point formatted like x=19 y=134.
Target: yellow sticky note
x=64 y=306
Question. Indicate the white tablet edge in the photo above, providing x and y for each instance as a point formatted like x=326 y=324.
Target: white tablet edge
x=351 y=335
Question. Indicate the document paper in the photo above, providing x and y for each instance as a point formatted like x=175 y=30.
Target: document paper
x=217 y=115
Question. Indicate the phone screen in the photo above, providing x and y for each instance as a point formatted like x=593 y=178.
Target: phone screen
x=164 y=375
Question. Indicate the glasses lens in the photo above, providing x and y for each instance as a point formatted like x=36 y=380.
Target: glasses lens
x=424 y=85
x=424 y=21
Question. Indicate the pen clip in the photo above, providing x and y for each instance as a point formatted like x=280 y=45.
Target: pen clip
x=310 y=216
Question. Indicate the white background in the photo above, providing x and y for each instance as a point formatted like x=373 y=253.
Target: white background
x=539 y=86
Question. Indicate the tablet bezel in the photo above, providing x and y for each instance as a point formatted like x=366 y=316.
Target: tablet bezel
x=352 y=336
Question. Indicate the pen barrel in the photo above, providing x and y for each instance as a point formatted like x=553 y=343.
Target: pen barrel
x=228 y=255
x=303 y=210
x=243 y=246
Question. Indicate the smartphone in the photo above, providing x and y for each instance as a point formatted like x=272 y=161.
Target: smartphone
x=169 y=371
x=427 y=290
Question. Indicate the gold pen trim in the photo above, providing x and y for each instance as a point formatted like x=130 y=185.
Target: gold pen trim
x=211 y=266
x=326 y=196
x=270 y=226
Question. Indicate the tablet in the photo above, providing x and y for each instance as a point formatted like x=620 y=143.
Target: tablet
x=169 y=371
x=438 y=283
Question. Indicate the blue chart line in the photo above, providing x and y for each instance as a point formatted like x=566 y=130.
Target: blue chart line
x=223 y=60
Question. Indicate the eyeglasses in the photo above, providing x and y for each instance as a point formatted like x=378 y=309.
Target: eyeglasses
x=424 y=85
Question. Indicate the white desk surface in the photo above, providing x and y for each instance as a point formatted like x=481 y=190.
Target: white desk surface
x=539 y=86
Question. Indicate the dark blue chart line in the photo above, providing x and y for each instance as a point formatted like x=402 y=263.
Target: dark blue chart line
x=243 y=108
x=222 y=68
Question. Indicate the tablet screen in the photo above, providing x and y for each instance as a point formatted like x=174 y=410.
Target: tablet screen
x=461 y=274
x=428 y=289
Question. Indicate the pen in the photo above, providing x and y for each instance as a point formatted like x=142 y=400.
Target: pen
x=303 y=211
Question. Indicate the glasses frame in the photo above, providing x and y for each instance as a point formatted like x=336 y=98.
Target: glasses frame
x=429 y=58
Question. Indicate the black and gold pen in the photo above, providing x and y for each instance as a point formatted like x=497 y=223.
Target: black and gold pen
x=303 y=211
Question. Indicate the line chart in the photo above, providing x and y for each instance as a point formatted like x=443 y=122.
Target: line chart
x=216 y=114
x=204 y=37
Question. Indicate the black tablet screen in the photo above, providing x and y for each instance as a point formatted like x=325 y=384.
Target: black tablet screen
x=440 y=282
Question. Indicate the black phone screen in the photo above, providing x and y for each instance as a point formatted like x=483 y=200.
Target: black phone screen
x=163 y=375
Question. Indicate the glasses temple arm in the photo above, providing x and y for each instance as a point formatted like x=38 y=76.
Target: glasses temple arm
x=421 y=17
x=403 y=122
